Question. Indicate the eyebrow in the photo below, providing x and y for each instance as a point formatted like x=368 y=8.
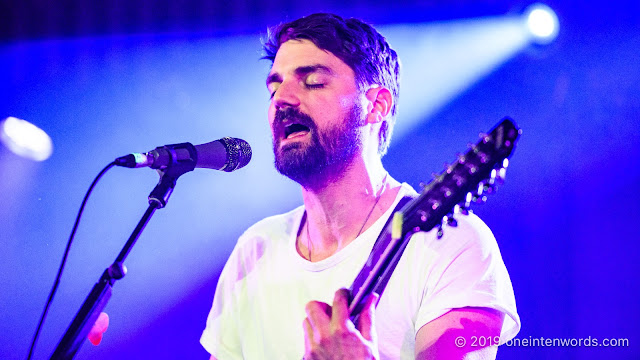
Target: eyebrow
x=300 y=71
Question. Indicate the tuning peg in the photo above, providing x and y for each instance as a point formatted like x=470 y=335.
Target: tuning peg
x=477 y=196
x=461 y=209
x=501 y=174
x=459 y=180
x=484 y=158
x=480 y=199
x=489 y=187
x=483 y=188
x=467 y=201
x=461 y=158
x=448 y=168
x=423 y=215
x=492 y=177
x=449 y=220
x=440 y=232
x=473 y=147
x=485 y=138
x=472 y=168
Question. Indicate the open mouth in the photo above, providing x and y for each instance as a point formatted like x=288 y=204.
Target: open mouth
x=295 y=130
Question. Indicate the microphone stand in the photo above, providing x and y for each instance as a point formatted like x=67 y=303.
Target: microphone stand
x=101 y=292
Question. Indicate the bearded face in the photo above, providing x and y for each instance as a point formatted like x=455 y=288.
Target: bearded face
x=321 y=154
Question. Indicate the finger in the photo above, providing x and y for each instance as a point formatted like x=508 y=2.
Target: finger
x=309 y=340
x=318 y=314
x=326 y=308
x=366 y=321
x=340 y=309
x=98 y=328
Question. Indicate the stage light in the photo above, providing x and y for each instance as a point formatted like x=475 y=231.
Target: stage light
x=25 y=139
x=447 y=58
x=542 y=23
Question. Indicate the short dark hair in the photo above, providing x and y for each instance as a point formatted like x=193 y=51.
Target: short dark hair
x=353 y=41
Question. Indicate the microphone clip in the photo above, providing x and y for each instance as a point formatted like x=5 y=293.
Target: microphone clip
x=171 y=161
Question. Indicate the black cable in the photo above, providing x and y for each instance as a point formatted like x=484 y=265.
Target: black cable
x=64 y=260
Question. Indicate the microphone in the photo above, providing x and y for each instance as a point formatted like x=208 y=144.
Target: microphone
x=226 y=154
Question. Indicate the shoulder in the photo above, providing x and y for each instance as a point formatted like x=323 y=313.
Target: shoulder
x=276 y=226
x=269 y=233
x=469 y=233
x=267 y=237
x=465 y=270
x=470 y=230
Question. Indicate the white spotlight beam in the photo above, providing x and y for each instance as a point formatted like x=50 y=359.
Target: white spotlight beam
x=441 y=60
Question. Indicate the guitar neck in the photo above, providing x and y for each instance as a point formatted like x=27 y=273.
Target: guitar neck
x=468 y=180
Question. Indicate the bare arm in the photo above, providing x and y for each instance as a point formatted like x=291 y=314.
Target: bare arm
x=440 y=339
x=467 y=333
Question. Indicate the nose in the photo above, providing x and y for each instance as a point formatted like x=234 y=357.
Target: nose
x=286 y=95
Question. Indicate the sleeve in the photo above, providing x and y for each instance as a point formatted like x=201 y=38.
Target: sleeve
x=467 y=271
x=220 y=336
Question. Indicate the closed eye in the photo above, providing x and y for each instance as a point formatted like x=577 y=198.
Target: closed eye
x=309 y=86
x=272 y=89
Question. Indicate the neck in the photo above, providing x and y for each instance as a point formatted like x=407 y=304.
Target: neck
x=338 y=212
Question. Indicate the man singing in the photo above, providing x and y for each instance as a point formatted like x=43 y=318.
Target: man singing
x=334 y=93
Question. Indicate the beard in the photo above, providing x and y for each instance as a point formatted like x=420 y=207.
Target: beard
x=324 y=157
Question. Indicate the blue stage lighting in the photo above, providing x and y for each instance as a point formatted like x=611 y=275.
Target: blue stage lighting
x=542 y=23
x=25 y=139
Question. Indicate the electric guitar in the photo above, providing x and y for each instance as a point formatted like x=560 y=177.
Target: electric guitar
x=468 y=180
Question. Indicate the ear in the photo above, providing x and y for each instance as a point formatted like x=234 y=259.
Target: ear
x=379 y=104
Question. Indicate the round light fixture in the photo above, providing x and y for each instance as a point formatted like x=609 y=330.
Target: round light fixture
x=542 y=23
x=25 y=139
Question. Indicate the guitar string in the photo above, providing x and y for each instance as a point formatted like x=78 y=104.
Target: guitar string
x=306 y=218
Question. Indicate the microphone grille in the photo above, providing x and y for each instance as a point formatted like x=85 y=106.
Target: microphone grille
x=238 y=153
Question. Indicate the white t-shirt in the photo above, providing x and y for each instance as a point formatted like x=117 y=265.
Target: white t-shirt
x=258 y=309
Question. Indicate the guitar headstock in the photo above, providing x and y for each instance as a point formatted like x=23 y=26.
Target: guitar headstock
x=473 y=175
x=469 y=179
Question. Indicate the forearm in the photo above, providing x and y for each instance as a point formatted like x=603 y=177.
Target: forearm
x=461 y=334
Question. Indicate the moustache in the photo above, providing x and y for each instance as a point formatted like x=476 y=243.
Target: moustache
x=289 y=116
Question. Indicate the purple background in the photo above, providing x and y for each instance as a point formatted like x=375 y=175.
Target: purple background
x=106 y=79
